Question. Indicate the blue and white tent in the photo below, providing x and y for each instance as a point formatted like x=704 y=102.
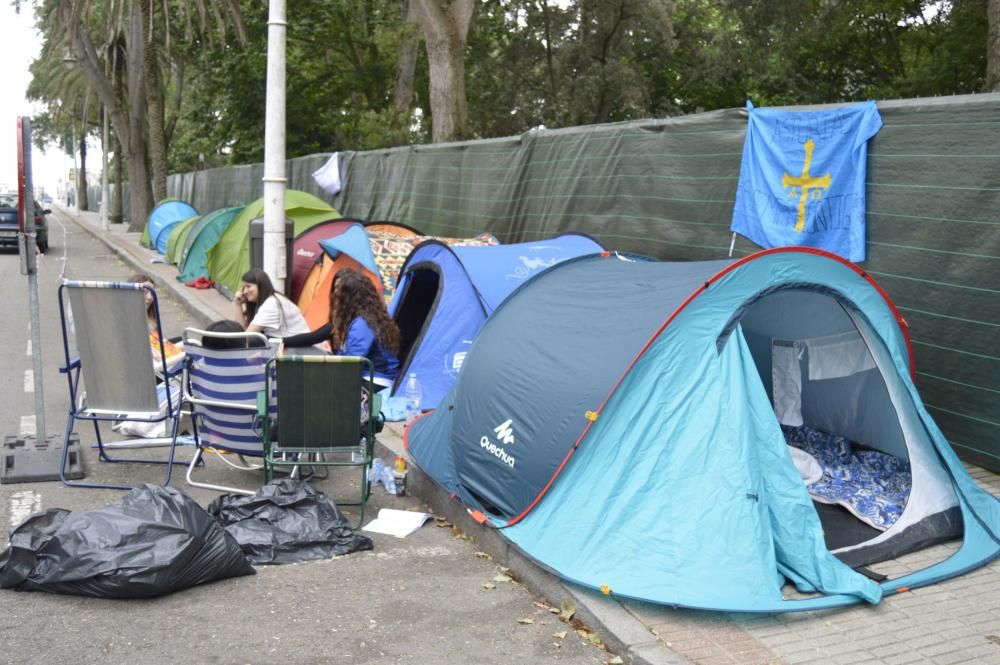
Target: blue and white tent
x=651 y=429
x=444 y=294
x=164 y=217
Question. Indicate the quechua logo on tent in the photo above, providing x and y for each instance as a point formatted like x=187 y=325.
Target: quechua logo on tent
x=505 y=435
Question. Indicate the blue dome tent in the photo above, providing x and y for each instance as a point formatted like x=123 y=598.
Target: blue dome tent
x=162 y=219
x=637 y=427
x=445 y=293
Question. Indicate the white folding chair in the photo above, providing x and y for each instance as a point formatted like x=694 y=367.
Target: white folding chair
x=111 y=371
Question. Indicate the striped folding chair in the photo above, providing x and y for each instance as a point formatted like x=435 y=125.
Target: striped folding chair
x=109 y=365
x=224 y=374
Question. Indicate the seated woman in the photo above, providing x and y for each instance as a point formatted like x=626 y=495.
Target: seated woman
x=173 y=349
x=259 y=308
x=228 y=327
x=359 y=325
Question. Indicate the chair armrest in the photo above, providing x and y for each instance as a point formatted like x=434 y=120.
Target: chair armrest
x=74 y=363
x=175 y=366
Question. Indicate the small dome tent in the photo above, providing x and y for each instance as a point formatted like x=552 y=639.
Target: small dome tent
x=200 y=239
x=634 y=426
x=229 y=259
x=162 y=219
x=306 y=252
x=351 y=248
x=178 y=235
x=445 y=294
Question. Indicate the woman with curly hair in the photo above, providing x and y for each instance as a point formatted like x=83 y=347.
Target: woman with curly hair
x=359 y=325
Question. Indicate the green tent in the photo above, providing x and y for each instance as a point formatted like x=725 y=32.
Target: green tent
x=201 y=239
x=230 y=258
x=176 y=239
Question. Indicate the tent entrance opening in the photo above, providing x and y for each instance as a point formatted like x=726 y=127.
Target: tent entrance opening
x=850 y=427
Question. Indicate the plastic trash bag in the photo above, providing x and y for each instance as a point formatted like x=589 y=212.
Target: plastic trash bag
x=152 y=541
x=287 y=521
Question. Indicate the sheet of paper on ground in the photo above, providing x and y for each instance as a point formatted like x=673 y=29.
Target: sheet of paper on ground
x=399 y=523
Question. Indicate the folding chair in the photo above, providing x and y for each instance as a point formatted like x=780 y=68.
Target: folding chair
x=326 y=408
x=110 y=374
x=220 y=387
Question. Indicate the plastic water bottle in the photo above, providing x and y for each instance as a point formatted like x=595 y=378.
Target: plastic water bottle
x=412 y=393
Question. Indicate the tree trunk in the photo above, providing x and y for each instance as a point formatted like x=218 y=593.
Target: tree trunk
x=116 y=200
x=406 y=67
x=446 y=28
x=81 y=174
x=140 y=202
x=550 y=68
x=157 y=136
x=993 y=47
x=130 y=128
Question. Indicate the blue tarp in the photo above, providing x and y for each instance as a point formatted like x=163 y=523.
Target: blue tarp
x=611 y=420
x=457 y=288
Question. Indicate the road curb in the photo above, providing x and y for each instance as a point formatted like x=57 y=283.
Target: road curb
x=621 y=631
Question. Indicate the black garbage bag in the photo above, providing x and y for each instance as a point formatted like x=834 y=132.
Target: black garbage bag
x=152 y=541
x=287 y=521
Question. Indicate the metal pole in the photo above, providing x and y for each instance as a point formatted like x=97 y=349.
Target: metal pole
x=274 y=148
x=29 y=267
x=105 y=190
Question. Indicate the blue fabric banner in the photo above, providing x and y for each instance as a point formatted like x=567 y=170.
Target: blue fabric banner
x=802 y=178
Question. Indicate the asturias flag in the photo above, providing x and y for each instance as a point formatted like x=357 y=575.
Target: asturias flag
x=802 y=178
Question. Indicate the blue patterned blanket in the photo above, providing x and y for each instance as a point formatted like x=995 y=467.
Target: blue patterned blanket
x=873 y=486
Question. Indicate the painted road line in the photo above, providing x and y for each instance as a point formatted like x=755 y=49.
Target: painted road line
x=29 y=381
x=28 y=426
x=29 y=348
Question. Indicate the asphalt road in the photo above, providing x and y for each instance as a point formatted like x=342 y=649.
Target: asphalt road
x=428 y=598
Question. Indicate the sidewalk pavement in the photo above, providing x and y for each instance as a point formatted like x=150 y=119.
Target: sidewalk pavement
x=957 y=621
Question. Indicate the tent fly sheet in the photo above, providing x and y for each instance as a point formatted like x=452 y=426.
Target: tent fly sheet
x=229 y=259
x=446 y=293
x=700 y=434
x=200 y=239
x=162 y=219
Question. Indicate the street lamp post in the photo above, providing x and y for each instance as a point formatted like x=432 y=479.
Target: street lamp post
x=274 y=148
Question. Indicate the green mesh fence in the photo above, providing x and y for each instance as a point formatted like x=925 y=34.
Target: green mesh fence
x=666 y=188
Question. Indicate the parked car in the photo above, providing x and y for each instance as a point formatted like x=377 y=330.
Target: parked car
x=8 y=222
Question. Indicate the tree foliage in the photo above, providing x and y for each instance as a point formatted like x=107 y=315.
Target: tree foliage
x=356 y=81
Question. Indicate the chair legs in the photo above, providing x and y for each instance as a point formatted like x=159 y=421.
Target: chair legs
x=105 y=457
x=298 y=460
x=219 y=488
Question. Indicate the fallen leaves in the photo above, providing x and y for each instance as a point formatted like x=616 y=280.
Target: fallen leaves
x=568 y=610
